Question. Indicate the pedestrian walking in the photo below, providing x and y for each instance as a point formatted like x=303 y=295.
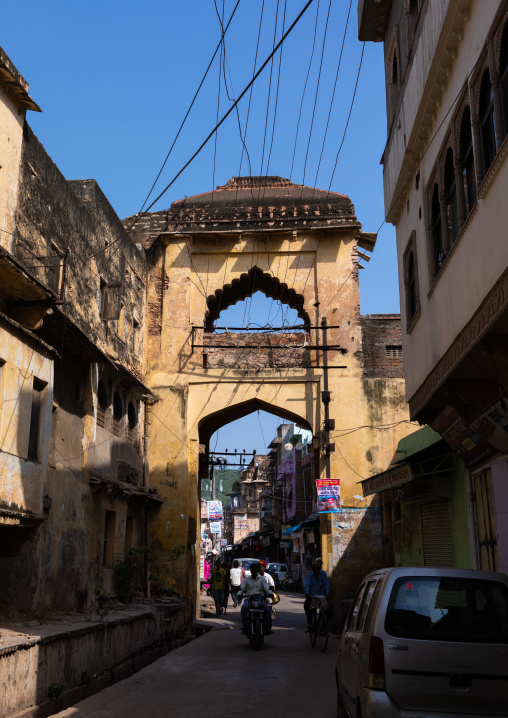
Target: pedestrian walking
x=218 y=582
x=236 y=576
x=227 y=586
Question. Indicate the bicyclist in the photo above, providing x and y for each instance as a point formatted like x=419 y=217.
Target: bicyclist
x=316 y=584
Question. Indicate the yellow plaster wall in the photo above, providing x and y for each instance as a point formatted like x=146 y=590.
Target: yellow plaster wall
x=320 y=266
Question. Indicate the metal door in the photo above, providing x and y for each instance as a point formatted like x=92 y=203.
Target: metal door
x=437 y=534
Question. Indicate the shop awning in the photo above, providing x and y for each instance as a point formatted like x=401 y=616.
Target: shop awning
x=435 y=460
x=309 y=523
x=397 y=475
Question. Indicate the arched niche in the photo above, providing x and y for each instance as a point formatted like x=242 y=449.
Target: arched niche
x=245 y=286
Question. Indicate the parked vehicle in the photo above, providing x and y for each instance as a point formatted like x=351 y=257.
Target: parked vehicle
x=255 y=629
x=278 y=572
x=424 y=642
x=287 y=582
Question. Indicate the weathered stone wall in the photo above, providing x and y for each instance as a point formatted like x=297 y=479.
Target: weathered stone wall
x=88 y=472
x=382 y=346
x=54 y=216
x=81 y=657
x=249 y=356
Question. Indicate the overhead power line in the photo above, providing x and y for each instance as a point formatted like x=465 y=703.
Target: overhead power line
x=226 y=115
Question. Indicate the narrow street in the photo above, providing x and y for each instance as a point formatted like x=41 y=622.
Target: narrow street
x=220 y=673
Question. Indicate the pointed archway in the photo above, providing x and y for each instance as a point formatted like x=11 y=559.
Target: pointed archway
x=217 y=419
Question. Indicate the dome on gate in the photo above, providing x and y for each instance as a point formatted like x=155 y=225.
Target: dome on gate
x=250 y=203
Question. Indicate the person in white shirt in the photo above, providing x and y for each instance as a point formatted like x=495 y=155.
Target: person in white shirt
x=250 y=586
x=264 y=574
x=236 y=576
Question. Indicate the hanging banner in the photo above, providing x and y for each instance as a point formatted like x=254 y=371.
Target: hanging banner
x=469 y=445
x=215 y=527
x=492 y=424
x=214 y=510
x=328 y=495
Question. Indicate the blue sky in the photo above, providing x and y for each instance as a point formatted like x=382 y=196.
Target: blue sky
x=115 y=79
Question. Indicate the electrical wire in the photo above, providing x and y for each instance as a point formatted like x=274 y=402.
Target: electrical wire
x=348 y=118
x=317 y=92
x=333 y=94
x=224 y=31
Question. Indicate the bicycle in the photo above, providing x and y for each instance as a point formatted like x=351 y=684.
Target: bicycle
x=318 y=627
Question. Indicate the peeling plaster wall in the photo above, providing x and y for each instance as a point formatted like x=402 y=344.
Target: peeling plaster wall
x=63 y=567
x=85 y=469
x=54 y=215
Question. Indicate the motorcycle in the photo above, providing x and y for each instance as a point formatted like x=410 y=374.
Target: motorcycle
x=255 y=627
x=287 y=582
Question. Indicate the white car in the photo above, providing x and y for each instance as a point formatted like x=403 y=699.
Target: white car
x=277 y=569
x=426 y=643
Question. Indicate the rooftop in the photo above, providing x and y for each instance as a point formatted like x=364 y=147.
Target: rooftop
x=249 y=204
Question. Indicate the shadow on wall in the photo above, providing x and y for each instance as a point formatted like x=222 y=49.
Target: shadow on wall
x=357 y=548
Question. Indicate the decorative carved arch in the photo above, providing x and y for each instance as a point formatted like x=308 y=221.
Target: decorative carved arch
x=244 y=286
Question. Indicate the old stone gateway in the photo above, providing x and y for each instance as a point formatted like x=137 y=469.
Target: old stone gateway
x=341 y=375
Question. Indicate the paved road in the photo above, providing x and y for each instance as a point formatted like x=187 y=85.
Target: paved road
x=220 y=674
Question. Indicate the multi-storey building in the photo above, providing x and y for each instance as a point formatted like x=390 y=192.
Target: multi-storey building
x=445 y=177
x=74 y=493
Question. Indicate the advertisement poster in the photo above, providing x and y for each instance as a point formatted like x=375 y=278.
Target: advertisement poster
x=223 y=543
x=214 y=510
x=469 y=445
x=492 y=424
x=215 y=527
x=328 y=495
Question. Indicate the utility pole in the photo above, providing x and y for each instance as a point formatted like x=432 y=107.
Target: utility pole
x=325 y=398
x=214 y=536
x=213 y=477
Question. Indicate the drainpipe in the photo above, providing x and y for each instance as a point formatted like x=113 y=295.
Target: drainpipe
x=471 y=520
x=149 y=402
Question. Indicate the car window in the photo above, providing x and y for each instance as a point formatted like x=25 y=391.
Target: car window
x=283 y=568
x=448 y=609
x=372 y=606
x=355 y=608
x=367 y=596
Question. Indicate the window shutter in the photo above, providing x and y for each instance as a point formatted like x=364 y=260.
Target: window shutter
x=111 y=302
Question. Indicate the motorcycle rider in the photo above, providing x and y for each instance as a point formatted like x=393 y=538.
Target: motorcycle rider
x=264 y=574
x=250 y=586
x=316 y=584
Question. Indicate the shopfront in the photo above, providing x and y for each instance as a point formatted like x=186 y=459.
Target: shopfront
x=424 y=499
